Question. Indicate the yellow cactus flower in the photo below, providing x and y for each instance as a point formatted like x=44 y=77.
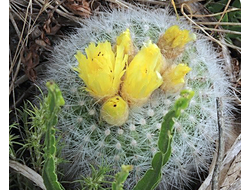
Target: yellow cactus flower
x=101 y=70
x=173 y=41
x=175 y=37
x=173 y=78
x=125 y=40
x=142 y=75
x=115 y=111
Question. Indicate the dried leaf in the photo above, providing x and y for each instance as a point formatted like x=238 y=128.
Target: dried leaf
x=231 y=168
x=27 y=172
x=230 y=174
x=233 y=175
x=30 y=59
x=36 y=32
x=51 y=26
x=79 y=7
x=43 y=44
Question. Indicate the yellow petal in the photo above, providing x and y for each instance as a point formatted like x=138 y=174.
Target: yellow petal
x=142 y=75
x=178 y=73
x=101 y=70
x=82 y=65
x=125 y=40
x=173 y=41
x=115 y=111
x=173 y=78
x=176 y=37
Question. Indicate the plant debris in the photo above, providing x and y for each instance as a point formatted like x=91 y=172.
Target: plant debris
x=30 y=59
x=79 y=7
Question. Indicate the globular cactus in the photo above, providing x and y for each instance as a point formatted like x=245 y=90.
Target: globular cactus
x=88 y=139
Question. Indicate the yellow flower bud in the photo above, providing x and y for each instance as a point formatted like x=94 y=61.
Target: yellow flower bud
x=115 y=111
x=173 y=41
x=125 y=40
x=142 y=75
x=101 y=70
x=173 y=78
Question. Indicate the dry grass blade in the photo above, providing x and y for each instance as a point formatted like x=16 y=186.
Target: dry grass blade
x=189 y=2
x=27 y=172
x=220 y=30
x=224 y=12
x=220 y=23
x=122 y=4
x=14 y=24
x=27 y=12
x=60 y=12
x=22 y=43
x=222 y=44
x=215 y=14
x=29 y=25
x=155 y=2
x=201 y=28
x=176 y=13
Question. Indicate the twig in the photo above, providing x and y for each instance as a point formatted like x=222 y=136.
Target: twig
x=220 y=23
x=215 y=14
x=221 y=146
x=19 y=42
x=14 y=77
x=24 y=78
x=154 y=2
x=232 y=46
x=18 y=50
x=220 y=30
x=16 y=11
x=60 y=5
x=222 y=44
x=13 y=94
x=15 y=25
x=75 y=19
x=224 y=12
x=188 y=2
x=212 y=38
x=123 y=4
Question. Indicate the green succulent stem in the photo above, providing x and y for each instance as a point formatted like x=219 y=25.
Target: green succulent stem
x=54 y=100
x=153 y=176
x=121 y=177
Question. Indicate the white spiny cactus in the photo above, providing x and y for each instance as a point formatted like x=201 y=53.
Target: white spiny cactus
x=90 y=140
